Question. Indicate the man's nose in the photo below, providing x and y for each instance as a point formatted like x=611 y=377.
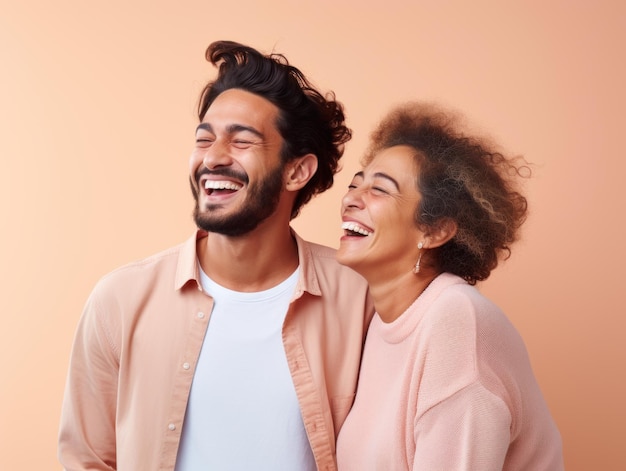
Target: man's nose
x=217 y=155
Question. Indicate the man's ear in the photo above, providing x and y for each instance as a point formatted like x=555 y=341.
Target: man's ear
x=300 y=171
x=444 y=230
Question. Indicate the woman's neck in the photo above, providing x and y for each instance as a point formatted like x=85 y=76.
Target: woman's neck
x=393 y=296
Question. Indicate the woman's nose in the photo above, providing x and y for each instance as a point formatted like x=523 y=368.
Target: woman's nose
x=352 y=199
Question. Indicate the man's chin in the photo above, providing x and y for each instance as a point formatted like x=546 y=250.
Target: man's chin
x=230 y=228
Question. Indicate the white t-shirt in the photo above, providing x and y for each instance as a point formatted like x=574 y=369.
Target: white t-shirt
x=243 y=413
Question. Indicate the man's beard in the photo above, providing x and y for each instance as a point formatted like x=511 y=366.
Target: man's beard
x=260 y=203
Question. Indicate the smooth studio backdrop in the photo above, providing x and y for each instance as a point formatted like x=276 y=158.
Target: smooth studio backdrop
x=97 y=119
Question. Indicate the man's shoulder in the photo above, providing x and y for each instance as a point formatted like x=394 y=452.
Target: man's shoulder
x=324 y=259
x=142 y=271
x=319 y=250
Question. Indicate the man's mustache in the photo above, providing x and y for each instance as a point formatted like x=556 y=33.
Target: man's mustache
x=224 y=172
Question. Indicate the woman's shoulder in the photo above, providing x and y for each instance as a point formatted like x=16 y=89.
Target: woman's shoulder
x=457 y=311
x=457 y=298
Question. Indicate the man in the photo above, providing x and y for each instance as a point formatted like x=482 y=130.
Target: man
x=240 y=348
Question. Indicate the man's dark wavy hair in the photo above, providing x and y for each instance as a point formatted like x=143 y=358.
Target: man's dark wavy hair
x=308 y=121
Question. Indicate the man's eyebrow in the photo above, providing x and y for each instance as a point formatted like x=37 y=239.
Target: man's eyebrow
x=232 y=129
x=235 y=128
x=205 y=126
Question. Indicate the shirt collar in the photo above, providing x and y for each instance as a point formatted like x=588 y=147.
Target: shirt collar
x=307 y=281
x=188 y=268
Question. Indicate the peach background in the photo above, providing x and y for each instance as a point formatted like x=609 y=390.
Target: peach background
x=97 y=105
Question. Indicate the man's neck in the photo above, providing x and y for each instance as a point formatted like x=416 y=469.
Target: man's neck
x=252 y=262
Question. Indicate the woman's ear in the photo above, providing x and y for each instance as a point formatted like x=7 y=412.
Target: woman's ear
x=300 y=171
x=442 y=232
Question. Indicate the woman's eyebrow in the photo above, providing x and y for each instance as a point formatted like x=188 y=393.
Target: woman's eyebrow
x=387 y=177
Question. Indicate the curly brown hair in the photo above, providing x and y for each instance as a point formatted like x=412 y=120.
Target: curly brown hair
x=462 y=178
x=309 y=122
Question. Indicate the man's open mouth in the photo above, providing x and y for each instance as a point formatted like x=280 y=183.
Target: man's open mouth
x=217 y=187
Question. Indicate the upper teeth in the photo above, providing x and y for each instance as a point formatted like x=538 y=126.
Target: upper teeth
x=221 y=185
x=351 y=226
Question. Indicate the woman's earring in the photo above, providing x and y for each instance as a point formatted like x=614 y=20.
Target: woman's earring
x=416 y=269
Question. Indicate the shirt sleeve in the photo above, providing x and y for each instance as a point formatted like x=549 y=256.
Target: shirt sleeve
x=87 y=438
x=469 y=430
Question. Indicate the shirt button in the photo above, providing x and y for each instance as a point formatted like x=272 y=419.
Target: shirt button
x=172 y=427
x=201 y=315
x=185 y=366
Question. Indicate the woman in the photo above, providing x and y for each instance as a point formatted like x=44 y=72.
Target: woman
x=445 y=382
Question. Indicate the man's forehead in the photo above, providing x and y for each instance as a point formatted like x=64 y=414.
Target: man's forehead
x=237 y=110
x=238 y=99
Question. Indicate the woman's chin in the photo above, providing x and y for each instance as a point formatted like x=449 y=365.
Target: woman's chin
x=350 y=261
x=344 y=258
